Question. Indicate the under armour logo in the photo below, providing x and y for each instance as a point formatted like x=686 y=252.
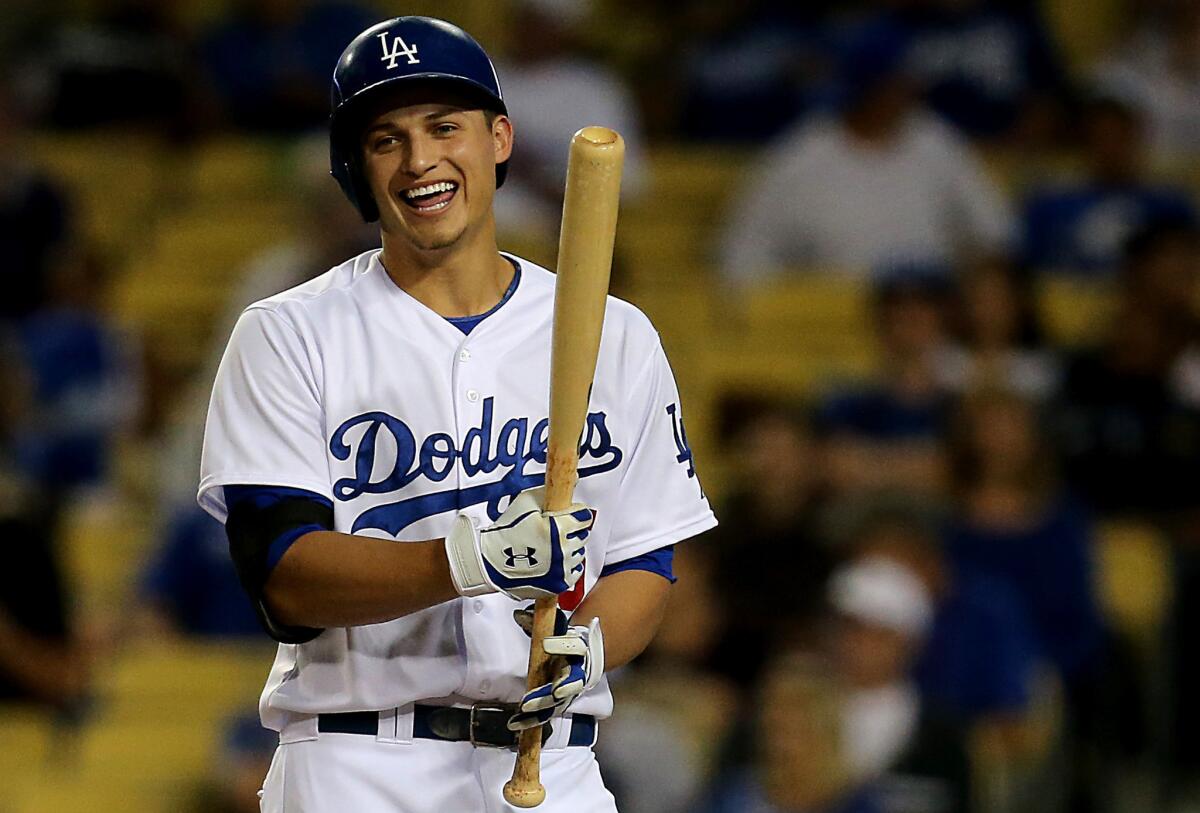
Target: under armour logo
x=527 y=556
x=399 y=48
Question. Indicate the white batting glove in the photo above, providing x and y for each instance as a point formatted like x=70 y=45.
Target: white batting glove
x=526 y=553
x=582 y=656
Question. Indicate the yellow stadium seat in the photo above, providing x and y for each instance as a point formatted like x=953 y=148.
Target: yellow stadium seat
x=819 y=317
x=236 y=169
x=105 y=796
x=158 y=727
x=702 y=177
x=1085 y=37
x=25 y=737
x=1134 y=575
x=116 y=180
x=1074 y=312
x=102 y=544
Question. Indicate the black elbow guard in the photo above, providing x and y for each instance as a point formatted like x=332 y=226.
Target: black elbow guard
x=251 y=530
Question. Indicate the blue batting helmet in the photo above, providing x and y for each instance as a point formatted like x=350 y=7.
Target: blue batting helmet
x=403 y=49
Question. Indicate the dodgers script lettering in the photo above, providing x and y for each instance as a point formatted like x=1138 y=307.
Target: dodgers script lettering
x=511 y=449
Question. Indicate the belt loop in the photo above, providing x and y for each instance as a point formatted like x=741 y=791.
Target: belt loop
x=396 y=724
x=560 y=736
x=298 y=728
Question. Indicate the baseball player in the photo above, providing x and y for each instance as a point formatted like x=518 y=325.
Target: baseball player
x=375 y=446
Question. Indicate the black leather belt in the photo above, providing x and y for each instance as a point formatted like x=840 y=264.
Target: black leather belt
x=482 y=724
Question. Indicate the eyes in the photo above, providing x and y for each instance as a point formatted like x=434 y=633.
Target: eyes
x=440 y=129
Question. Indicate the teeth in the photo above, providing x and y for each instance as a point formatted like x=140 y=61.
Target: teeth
x=429 y=189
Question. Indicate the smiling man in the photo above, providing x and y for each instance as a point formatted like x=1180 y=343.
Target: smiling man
x=376 y=444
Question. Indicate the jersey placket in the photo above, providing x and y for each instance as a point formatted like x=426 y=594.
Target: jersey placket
x=474 y=427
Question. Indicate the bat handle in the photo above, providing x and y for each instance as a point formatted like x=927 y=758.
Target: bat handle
x=525 y=788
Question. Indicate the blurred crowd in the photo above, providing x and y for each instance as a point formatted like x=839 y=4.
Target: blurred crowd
x=902 y=610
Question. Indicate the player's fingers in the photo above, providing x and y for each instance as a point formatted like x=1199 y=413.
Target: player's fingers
x=524 y=619
x=581 y=529
x=576 y=523
x=538 y=699
x=571 y=684
x=521 y=721
x=570 y=645
x=574 y=559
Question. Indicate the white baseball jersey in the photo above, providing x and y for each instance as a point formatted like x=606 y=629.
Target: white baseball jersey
x=348 y=387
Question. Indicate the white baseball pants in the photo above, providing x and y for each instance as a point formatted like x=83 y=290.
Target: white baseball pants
x=395 y=773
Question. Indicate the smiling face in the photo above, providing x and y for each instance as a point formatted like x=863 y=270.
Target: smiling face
x=430 y=162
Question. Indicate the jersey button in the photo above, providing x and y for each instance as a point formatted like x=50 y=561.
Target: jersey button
x=464 y=354
x=477 y=606
x=472 y=395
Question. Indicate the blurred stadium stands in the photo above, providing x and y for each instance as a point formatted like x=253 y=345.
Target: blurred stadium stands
x=181 y=218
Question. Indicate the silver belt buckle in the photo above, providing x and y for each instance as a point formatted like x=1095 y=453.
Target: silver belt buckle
x=474 y=722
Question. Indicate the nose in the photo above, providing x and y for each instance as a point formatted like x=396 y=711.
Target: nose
x=422 y=156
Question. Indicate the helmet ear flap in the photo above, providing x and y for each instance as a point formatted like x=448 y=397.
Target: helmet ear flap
x=363 y=199
x=346 y=168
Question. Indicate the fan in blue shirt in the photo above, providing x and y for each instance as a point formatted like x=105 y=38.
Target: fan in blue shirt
x=1079 y=228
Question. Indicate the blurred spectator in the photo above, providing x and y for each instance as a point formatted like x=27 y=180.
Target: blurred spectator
x=997 y=339
x=883 y=183
x=1129 y=418
x=270 y=61
x=40 y=658
x=1016 y=524
x=130 y=63
x=1159 y=73
x=768 y=517
x=888 y=432
x=552 y=90
x=34 y=219
x=799 y=763
x=191 y=588
x=916 y=758
x=1080 y=227
x=751 y=69
x=85 y=377
x=239 y=770
x=977 y=663
x=987 y=66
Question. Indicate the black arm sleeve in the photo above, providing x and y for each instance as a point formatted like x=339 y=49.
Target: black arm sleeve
x=258 y=531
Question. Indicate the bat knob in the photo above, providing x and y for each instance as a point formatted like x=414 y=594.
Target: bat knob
x=598 y=135
x=519 y=794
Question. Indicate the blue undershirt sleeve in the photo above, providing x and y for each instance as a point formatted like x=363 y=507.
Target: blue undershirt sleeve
x=656 y=561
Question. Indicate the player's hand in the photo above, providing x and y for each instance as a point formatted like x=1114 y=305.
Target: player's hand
x=581 y=666
x=527 y=553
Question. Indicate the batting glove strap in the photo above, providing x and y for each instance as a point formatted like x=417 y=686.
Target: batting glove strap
x=466 y=561
x=581 y=650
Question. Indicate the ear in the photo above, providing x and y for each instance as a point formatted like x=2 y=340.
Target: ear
x=502 y=138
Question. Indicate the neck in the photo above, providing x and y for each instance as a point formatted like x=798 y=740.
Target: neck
x=466 y=279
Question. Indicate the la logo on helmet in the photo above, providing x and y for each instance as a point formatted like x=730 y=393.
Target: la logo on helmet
x=399 y=48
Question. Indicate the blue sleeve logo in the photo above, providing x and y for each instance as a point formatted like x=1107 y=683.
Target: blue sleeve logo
x=681 y=441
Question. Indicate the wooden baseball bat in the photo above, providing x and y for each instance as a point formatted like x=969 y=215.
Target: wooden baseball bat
x=585 y=248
